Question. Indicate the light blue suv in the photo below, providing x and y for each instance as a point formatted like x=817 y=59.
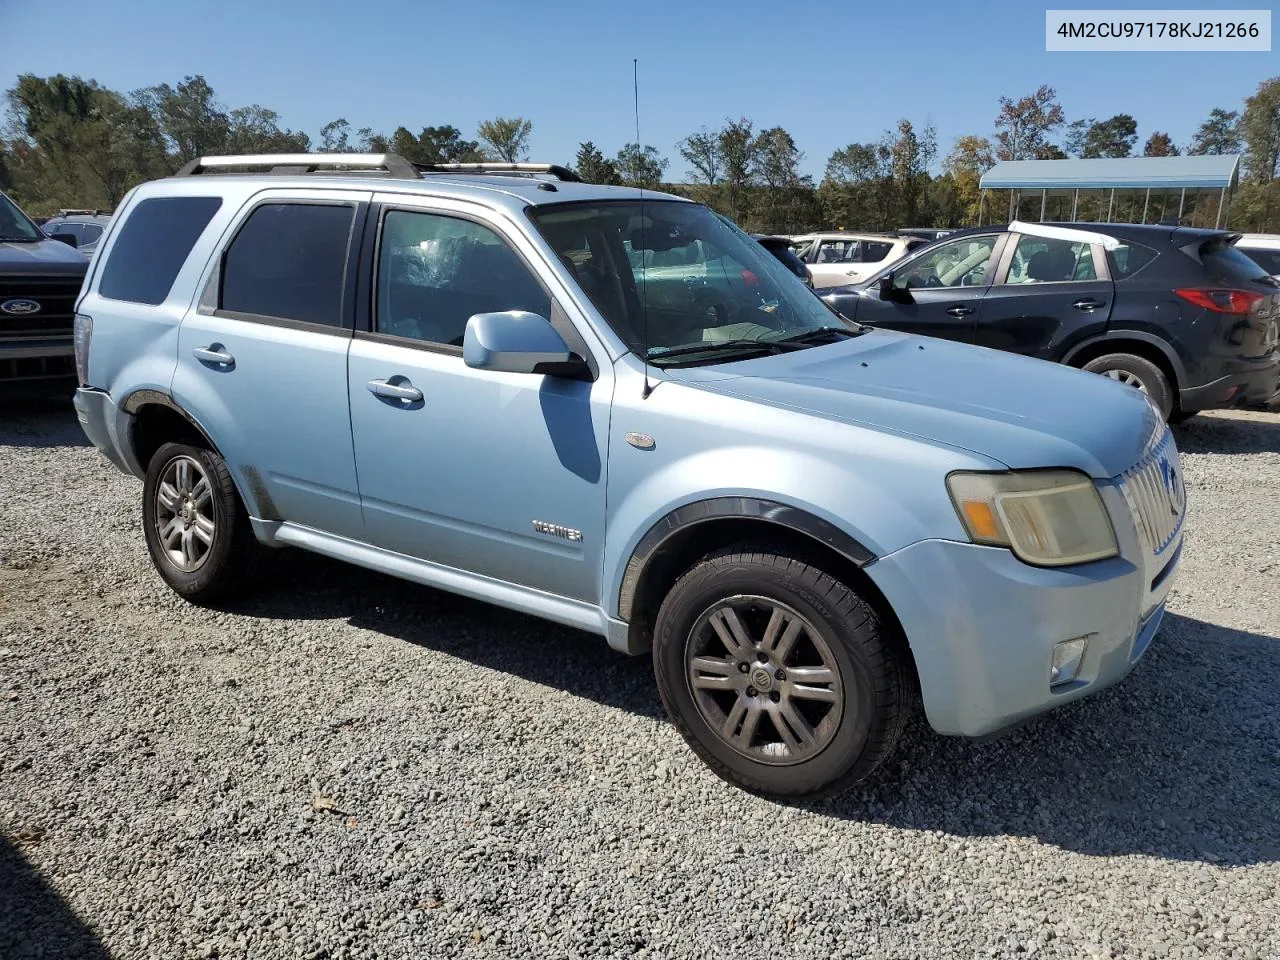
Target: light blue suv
x=456 y=376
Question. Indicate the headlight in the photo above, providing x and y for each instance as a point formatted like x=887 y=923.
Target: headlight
x=1050 y=518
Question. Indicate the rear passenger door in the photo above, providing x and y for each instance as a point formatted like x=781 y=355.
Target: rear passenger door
x=1048 y=294
x=262 y=357
x=463 y=467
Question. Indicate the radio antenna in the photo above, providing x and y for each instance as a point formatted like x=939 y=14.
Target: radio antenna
x=644 y=271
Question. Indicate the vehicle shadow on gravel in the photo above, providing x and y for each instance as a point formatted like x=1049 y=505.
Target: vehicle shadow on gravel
x=308 y=586
x=42 y=417
x=1181 y=761
x=34 y=920
x=1230 y=433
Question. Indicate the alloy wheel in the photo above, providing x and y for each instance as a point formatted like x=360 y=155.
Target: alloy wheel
x=184 y=513
x=1125 y=377
x=764 y=680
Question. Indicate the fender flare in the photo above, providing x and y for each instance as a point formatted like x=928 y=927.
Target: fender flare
x=1179 y=370
x=719 y=508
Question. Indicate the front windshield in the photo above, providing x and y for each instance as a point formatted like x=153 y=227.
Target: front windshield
x=14 y=224
x=672 y=277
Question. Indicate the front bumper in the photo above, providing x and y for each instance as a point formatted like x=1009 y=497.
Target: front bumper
x=982 y=624
x=107 y=427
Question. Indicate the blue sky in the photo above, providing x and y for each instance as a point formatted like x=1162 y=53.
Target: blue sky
x=831 y=73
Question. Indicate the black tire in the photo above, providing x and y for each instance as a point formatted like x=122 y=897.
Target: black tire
x=1154 y=383
x=1182 y=416
x=874 y=690
x=231 y=560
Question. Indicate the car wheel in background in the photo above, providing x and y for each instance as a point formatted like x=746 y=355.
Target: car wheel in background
x=780 y=677
x=1139 y=373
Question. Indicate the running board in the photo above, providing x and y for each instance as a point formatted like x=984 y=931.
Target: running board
x=570 y=613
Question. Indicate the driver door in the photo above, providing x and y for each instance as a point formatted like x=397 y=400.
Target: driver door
x=940 y=292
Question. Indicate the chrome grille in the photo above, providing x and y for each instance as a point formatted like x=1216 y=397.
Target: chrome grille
x=1154 y=490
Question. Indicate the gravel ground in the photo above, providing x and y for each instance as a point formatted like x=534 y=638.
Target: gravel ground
x=351 y=766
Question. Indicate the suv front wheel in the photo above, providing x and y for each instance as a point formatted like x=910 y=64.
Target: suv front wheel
x=197 y=530
x=779 y=676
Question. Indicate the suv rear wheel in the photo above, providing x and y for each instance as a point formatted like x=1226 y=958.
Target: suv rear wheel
x=196 y=528
x=778 y=675
x=1137 y=372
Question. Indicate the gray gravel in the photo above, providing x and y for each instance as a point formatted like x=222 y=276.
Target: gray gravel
x=350 y=766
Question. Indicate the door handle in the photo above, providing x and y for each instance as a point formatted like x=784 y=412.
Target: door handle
x=215 y=354
x=405 y=392
x=851 y=273
x=960 y=311
x=1088 y=303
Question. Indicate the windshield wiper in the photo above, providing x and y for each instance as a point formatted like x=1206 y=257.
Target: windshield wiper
x=722 y=346
x=822 y=333
x=19 y=239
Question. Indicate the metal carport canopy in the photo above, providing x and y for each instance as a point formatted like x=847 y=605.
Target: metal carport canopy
x=1128 y=173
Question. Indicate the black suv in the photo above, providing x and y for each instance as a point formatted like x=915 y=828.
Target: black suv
x=39 y=281
x=1177 y=312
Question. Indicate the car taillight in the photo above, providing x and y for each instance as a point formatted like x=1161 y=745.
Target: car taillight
x=1220 y=300
x=83 y=336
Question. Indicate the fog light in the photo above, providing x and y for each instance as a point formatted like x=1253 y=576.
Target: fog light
x=1067 y=657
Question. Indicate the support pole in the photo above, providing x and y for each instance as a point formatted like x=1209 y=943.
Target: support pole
x=1075 y=199
x=982 y=199
x=1111 y=203
x=1145 y=204
x=1044 y=196
x=1011 y=195
x=1222 y=197
x=1182 y=199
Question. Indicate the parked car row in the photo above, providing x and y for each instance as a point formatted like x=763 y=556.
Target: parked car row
x=653 y=431
x=1181 y=314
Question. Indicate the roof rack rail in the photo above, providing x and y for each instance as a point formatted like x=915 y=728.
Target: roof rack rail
x=509 y=169
x=386 y=164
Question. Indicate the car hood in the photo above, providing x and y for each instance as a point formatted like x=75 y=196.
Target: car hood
x=42 y=257
x=1016 y=410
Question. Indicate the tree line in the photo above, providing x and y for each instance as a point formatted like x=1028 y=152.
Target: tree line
x=70 y=142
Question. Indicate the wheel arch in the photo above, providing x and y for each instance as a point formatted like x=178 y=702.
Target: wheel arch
x=690 y=532
x=1145 y=345
x=155 y=418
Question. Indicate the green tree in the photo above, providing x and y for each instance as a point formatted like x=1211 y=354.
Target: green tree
x=1159 y=145
x=911 y=157
x=507 y=137
x=701 y=151
x=969 y=159
x=1023 y=126
x=256 y=129
x=594 y=167
x=1219 y=134
x=1113 y=137
x=857 y=188
x=431 y=145
x=189 y=116
x=776 y=173
x=736 y=144
x=1260 y=127
x=1073 y=140
x=640 y=167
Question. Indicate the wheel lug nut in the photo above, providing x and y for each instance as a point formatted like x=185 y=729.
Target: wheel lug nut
x=744 y=667
x=775 y=696
x=780 y=674
x=751 y=691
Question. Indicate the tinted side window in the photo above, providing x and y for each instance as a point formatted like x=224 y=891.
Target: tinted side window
x=1268 y=260
x=153 y=245
x=1128 y=258
x=435 y=272
x=873 y=252
x=960 y=263
x=1047 y=260
x=288 y=261
x=89 y=232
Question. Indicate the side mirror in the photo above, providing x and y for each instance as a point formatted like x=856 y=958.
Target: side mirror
x=519 y=342
x=886 y=286
x=70 y=239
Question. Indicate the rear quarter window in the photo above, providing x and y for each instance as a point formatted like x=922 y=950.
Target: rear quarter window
x=1268 y=260
x=1128 y=258
x=153 y=244
x=1225 y=262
